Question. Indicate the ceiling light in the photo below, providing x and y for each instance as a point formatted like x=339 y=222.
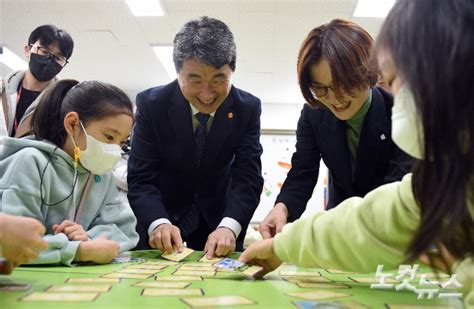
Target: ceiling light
x=145 y=7
x=11 y=60
x=165 y=54
x=373 y=8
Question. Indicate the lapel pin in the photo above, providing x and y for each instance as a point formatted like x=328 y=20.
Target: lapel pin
x=382 y=137
x=230 y=115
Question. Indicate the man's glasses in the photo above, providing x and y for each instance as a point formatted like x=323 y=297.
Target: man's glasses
x=43 y=51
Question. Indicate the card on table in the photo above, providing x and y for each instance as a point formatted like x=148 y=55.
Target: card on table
x=14 y=287
x=196 y=269
x=125 y=276
x=317 y=295
x=194 y=273
x=178 y=278
x=159 y=263
x=172 y=292
x=137 y=271
x=79 y=288
x=217 y=301
x=93 y=280
x=292 y=273
x=295 y=279
x=163 y=284
x=177 y=256
x=204 y=259
x=328 y=305
x=335 y=285
x=61 y=297
x=337 y=271
x=231 y=264
x=126 y=259
x=143 y=266
x=237 y=266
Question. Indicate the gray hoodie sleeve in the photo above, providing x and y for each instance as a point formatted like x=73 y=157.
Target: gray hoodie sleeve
x=115 y=221
x=60 y=249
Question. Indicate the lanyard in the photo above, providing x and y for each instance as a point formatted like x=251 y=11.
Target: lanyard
x=15 y=121
x=84 y=195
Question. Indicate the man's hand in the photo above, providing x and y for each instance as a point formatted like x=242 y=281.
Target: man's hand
x=73 y=230
x=261 y=253
x=221 y=242
x=21 y=238
x=166 y=237
x=274 y=221
x=99 y=250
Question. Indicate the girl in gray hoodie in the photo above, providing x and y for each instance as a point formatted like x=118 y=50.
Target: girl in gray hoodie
x=61 y=175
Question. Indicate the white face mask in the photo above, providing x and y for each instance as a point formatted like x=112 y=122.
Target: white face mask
x=99 y=158
x=407 y=130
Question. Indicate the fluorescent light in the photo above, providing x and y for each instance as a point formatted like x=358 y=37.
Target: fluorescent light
x=165 y=54
x=145 y=7
x=373 y=8
x=11 y=60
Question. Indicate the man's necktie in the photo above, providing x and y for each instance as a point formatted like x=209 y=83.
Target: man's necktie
x=190 y=220
x=200 y=136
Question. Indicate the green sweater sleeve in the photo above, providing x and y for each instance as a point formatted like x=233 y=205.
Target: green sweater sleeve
x=358 y=235
x=362 y=233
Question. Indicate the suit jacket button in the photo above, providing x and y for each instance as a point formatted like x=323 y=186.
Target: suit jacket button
x=176 y=217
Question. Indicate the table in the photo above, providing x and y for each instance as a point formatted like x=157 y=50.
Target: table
x=269 y=293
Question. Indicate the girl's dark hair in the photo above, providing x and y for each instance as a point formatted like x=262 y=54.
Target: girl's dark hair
x=347 y=47
x=49 y=34
x=92 y=100
x=432 y=45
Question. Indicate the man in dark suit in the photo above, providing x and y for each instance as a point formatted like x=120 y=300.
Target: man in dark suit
x=194 y=171
x=346 y=123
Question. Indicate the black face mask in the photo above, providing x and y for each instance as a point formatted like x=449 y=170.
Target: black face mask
x=43 y=68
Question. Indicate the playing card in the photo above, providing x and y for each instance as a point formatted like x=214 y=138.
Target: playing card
x=231 y=264
x=79 y=288
x=178 y=278
x=138 y=271
x=14 y=287
x=60 y=297
x=328 y=305
x=93 y=280
x=177 y=256
x=217 y=301
x=197 y=269
x=172 y=292
x=163 y=284
x=317 y=295
x=194 y=273
x=143 y=266
x=204 y=259
x=125 y=276
x=305 y=279
x=290 y=273
x=335 y=285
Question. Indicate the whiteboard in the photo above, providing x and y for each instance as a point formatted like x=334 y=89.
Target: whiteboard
x=278 y=148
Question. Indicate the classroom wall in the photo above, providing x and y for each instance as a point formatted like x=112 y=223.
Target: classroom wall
x=278 y=140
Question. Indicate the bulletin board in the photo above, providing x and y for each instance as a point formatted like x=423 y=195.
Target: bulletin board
x=278 y=148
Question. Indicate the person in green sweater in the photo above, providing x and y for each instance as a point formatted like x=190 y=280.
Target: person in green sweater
x=346 y=123
x=425 y=53
x=62 y=175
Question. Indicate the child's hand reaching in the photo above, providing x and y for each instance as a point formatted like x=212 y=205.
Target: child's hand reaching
x=99 y=250
x=72 y=230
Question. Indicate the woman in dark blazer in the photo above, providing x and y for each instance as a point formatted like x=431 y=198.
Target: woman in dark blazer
x=346 y=122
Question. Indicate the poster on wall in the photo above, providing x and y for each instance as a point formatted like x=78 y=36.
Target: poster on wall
x=278 y=148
